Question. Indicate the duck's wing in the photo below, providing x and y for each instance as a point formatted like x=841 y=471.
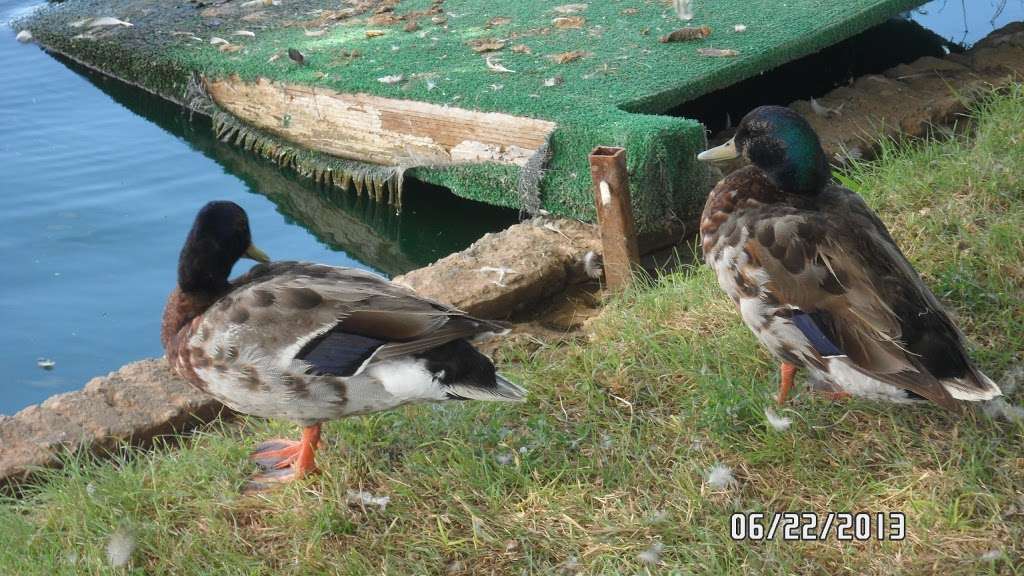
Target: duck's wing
x=336 y=320
x=837 y=269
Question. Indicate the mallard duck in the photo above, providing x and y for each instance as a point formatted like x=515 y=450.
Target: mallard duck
x=310 y=343
x=817 y=277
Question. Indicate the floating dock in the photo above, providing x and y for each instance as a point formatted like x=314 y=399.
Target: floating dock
x=500 y=101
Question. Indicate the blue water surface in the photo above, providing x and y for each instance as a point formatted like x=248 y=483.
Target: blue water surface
x=99 y=183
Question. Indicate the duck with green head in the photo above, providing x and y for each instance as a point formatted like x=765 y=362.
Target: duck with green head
x=817 y=277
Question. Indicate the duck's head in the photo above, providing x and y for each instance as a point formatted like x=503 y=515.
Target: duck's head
x=783 y=145
x=219 y=238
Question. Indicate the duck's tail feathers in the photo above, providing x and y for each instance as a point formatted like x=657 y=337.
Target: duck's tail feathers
x=502 y=391
x=973 y=387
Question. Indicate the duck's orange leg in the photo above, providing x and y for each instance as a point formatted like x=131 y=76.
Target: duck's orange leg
x=787 y=372
x=286 y=460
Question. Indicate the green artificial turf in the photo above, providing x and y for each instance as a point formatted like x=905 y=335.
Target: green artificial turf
x=610 y=96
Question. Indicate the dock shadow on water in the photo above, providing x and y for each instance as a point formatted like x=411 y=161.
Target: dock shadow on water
x=433 y=222
x=100 y=189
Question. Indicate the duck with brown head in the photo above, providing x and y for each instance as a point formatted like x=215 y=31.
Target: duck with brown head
x=817 y=277
x=309 y=343
x=218 y=239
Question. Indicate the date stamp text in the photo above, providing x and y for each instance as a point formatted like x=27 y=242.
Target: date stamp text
x=808 y=526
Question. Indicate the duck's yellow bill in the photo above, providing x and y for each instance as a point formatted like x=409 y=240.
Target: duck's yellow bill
x=257 y=254
x=726 y=151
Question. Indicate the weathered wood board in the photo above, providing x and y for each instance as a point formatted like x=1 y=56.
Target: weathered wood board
x=380 y=130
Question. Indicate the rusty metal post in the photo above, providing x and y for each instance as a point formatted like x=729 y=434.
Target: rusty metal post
x=614 y=214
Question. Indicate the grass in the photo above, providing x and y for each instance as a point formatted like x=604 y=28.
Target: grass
x=611 y=454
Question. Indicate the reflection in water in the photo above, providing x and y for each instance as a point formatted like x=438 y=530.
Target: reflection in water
x=967 y=21
x=433 y=222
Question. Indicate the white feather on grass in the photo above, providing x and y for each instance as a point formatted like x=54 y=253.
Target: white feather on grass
x=720 y=477
x=651 y=556
x=822 y=110
x=991 y=555
x=361 y=498
x=1012 y=380
x=659 y=516
x=778 y=423
x=1000 y=408
x=120 y=548
x=570 y=566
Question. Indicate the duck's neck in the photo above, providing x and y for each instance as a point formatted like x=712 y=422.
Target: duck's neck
x=182 y=308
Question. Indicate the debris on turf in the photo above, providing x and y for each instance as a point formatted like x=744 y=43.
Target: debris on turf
x=687 y=34
x=684 y=9
x=569 y=8
x=495 y=65
x=718 y=52
x=570 y=56
x=569 y=22
x=481 y=45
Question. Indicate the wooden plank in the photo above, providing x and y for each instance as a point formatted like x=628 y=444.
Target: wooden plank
x=380 y=130
x=614 y=215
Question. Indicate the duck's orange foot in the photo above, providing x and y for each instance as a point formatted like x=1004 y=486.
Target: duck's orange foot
x=837 y=395
x=284 y=461
x=276 y=454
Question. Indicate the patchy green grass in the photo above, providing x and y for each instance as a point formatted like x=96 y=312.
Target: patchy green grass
x=611 y=454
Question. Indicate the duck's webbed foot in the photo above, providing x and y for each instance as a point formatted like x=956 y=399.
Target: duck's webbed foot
x=284 y=460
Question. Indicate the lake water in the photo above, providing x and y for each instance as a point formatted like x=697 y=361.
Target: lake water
x=100 y=185
x=967 y=21
x=101 y=182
